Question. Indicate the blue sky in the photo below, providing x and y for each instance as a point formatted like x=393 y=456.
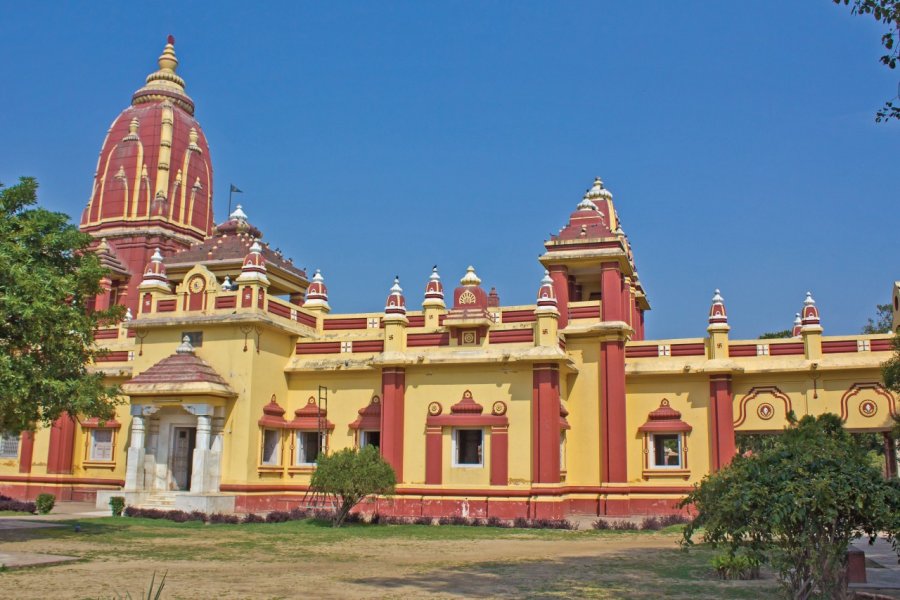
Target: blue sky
x=374 y=139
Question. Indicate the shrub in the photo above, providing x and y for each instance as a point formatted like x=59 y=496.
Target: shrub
x=423 y=521
x=739 y=566
x=619 y=525
x=298 y=514
x=117 y=505
x=219 y=518
x=253 y=518
x=17 y=505
x=45 y=503
x=495 y=522
x=349 y=476
x=601 y=524
x=196 y=515
x=278 y=516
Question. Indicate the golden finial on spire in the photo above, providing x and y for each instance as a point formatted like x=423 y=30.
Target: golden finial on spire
x=165 y=84
x=167 y=60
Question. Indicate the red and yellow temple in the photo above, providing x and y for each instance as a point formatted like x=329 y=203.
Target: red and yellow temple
x=237 y=374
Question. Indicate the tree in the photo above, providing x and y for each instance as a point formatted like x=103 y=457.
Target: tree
x=886 y=12
x=46 y=335
x=775 y=335
x=882 y=321
x=797 y=506
x=350 y=475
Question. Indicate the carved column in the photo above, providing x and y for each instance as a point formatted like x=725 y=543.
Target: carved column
x=134 y=463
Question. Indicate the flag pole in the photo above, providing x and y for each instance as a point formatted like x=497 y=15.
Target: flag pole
x=231 y=190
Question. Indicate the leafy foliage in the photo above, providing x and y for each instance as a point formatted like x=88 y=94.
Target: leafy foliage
x=776 y=335
x=116 y=505
x=350 y=475
x=46 y=335
x=45 y=503
x=882 y=321
x=886 y=12
x=797 y=505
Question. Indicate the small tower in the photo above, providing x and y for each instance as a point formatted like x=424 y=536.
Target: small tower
x=546 y=314
x=434 y=305
x=317 y=295
x=154 y=283
x=395 y=320
x=718 y=327
x=253 y=282
x=798 y=324
x=811 y=328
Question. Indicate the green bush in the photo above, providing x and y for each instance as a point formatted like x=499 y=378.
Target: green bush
x=348 y=476
x=736 y=566
x=117 y=505
x=45 y=503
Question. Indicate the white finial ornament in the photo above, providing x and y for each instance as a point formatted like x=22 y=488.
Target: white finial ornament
x=587 y=204
x=157 y=256
x=598 y=191
x=470 y=278
x=128 y=315
x=256 y=247
x=185 y=347
x=238 y=214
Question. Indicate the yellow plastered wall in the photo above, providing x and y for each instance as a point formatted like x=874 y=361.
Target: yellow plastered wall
x=750 y=393
x=689 y=395
x=581 y=391
x=511 y=384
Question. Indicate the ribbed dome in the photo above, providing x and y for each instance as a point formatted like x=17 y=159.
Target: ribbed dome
x=154 y=168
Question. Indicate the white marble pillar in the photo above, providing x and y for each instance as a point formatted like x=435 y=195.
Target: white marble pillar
x=134 y=463
x=202 y=481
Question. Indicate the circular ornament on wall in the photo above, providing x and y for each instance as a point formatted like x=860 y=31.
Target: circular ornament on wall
x=868 y=408
x=197 y=284
x=435 y=408
x=765 y=411
x=498 y=408
x=468 y=337
x=376 y=400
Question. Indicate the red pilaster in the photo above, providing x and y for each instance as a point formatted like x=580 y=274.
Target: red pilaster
x=545 y=424
x=560 y=276
x=62 y=445
x=393 y=387
x=626 y=302
x=434 y=455
x=499 y=455
x=104 y=297
x=613 y=454
x=721 y=421
x=611 y=292
x=26 y=451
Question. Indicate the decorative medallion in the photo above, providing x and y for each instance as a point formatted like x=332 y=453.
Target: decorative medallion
x=868 y=408
x=765 y=411
x=376 y=400
x=468 y=338
x=467 y=297
x=499 y=408
x=197 y=285
x=435 y=408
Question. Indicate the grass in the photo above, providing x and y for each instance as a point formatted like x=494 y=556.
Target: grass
x=388 y=560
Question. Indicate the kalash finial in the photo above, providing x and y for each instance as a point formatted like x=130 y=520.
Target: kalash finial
x=167 y=60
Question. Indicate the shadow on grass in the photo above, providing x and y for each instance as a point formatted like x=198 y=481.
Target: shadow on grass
x=644 y=573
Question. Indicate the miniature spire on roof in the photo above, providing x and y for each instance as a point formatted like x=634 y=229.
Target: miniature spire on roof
x=598 y=191
x=254 y=268
x=798 y=325
x=316 y=293
x=396 y=303
x=546 y=297
x=587 y=204
x=717 y=312
x=155 y=274
x=238 y=214
x=434 y=289
x=810 y=313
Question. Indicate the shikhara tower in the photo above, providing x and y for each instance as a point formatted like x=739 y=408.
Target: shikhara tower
x=153 y=187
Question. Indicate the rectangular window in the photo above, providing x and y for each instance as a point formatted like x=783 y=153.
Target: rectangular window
x=666 y=450
x=270 y=441
x=369 y=438
x=309 y=446
x=9 y=445
x=102 y=444
x=468 y=447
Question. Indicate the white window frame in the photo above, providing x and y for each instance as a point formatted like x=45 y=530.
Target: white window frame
x=301 y=446
x=94 y=453
x=7 y=438
x=652 y=461
x=364 y=437
x=276 y=460
x=454 y=451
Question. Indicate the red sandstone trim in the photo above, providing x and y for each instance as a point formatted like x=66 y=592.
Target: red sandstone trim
x=61 y=480
x=167 y=305
x=787 y=349
x=117 y=356
x=838 y=346
x=345 y=323
x=518 y=316
x=742 y=350
x=416 y=321
x=319 y=348
x=641 y=351
x=511 y=336
x=229 y=301
x=368 y=346
x=695 y=349
x=414 y=340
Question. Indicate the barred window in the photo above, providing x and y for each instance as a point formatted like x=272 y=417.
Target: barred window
x=9 y=445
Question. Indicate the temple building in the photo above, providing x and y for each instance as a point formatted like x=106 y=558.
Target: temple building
x=236 y=374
